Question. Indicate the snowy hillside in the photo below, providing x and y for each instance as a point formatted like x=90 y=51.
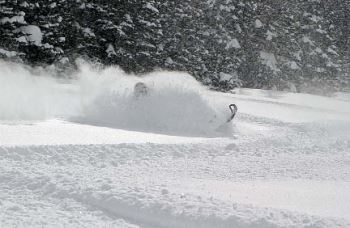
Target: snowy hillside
x=65 y=161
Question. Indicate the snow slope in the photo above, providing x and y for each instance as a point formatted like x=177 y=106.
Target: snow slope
x=284 y=161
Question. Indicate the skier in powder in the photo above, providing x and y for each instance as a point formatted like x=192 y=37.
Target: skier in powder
x=140 y=90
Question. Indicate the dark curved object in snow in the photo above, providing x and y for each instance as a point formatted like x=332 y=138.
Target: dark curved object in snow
x=234 y=110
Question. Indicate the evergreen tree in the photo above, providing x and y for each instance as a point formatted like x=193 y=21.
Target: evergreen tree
x=223 y=43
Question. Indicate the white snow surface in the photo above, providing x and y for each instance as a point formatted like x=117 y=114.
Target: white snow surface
x=33 y=34
x=234 y=43
x=258 y=24
x=66 y=162
x=18 y=19
x=8 y=53
x=269 y=60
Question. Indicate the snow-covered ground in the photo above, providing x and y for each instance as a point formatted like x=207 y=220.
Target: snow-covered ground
x=66 y=162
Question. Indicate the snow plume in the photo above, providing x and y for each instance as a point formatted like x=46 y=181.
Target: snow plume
x=176 y=103
x=31 y=94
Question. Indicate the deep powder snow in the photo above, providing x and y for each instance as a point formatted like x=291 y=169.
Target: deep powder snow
x=88 y=153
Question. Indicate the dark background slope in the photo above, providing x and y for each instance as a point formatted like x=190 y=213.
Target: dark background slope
x=294 y=45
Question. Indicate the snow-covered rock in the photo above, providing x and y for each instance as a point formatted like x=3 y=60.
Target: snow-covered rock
x=233 y=44
x=269 y=60
x=33 y=34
